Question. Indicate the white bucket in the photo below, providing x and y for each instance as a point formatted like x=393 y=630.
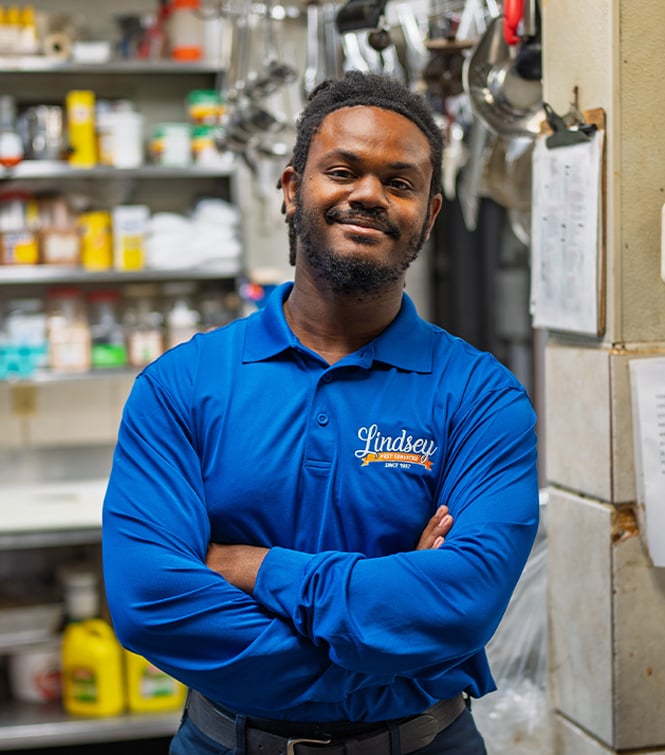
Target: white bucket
x=34 y=672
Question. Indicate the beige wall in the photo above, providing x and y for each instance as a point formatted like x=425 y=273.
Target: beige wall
x=606 y=601
x=613 y=51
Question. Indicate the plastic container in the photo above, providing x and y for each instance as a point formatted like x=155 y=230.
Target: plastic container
x=29 y=41
x=171 y=145
x=129 y=229
x=93 y=681
x=35 y=672
x=96 y=240
x=81 y=594
x=11 y=145
x=182 y=319
x=186 y=30
x=107 y=337
x=19 y=248
x=10 y=37
x=149 y=689
x=80 y=107
x=120 y=138
x=26 y=345
x=205 y=107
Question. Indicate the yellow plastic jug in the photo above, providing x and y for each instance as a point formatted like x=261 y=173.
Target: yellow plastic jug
x=149 y=688
x=92 y=670
x=80 y=109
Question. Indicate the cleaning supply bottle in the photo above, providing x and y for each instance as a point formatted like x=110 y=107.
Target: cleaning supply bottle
x=93 y=681
x=11 y=145
x=149 y=689
x=80 y=109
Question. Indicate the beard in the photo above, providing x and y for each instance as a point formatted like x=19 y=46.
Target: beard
x=348 y=273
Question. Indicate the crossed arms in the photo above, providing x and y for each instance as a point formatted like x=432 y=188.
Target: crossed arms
x=240 y=564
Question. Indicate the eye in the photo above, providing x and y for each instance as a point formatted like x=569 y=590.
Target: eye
x=339 y=173
x=400 y=184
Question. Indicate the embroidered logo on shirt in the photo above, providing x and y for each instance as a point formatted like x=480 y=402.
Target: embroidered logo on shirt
x=397 y=451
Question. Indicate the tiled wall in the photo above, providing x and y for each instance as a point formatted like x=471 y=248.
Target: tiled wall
x=606 y=613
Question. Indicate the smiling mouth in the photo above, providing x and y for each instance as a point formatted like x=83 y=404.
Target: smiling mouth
x=363 y=231
x=363 y=224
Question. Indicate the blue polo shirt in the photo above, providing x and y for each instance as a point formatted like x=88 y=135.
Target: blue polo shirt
x=243 y=435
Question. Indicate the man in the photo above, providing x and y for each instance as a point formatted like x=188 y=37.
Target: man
x=317 y=515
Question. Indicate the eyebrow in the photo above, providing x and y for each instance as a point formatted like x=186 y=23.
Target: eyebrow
x=354 y=158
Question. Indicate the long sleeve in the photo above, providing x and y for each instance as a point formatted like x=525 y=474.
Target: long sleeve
x=419 y=614
x=166 y=604
x=244 y=436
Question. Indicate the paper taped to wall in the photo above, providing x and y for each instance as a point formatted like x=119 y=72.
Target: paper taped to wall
x=566 y=235
x=647 y=385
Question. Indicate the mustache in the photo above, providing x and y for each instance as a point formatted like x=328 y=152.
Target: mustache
x=376 y=218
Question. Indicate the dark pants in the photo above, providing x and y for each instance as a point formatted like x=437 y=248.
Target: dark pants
x=460 y=738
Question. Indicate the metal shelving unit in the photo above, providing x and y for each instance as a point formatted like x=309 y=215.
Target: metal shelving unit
x=45 y=64
x=25 y=726
x=159 y=87
x=34 y=169
x=19 y=275
x=48 y=539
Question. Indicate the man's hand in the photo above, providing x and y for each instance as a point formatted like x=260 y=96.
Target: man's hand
x=238 y=564
x=435 y=531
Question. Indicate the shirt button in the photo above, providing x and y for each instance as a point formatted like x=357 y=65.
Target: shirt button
x=327 y=378
x=322 y=419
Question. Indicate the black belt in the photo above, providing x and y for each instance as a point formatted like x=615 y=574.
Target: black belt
x=414 y=733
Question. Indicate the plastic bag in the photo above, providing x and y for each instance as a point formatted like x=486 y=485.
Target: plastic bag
x=516 y=719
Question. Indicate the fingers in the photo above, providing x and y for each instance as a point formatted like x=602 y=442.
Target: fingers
x=436 y=530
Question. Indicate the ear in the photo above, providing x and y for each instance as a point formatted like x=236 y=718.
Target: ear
x=289 y=182
x=435 y=204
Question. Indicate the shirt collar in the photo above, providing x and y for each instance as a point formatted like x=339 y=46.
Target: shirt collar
x=406 y=343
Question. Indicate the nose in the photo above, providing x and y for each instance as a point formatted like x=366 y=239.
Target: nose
x=368 y=191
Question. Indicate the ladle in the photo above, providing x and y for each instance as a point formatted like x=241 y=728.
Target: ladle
x=275 y=73
x=244 y=118
x=315 y=71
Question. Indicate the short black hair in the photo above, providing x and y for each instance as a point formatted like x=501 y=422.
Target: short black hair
x=368 y=90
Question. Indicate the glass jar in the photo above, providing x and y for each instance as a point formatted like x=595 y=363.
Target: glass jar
x=143 y=324
x=68 y=331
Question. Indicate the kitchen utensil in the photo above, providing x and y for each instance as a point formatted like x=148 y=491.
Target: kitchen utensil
x=315 y=71
x=480 y=142
x=513 y=10
x=42 y=132
x=416 y=51
x=332 y=53
x=240 y=52
x=360 y=14
x=354 y=60
x=507 y=103
x=274 y=73
x=245 y=120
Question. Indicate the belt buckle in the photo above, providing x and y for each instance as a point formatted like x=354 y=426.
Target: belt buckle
x=293 y=741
